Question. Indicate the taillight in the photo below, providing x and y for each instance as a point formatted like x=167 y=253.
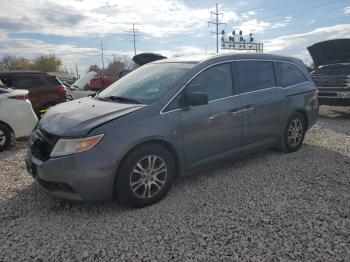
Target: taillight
x=61 y=90
x=19 y=97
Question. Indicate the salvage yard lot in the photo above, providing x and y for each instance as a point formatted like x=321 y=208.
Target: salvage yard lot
x=269 y=206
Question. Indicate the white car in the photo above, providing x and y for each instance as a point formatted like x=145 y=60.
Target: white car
x=17 y=117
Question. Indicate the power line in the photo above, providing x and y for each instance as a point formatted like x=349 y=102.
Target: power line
x=217 y=23
x=133 y=32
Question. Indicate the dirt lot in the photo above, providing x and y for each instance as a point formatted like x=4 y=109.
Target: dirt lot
x=267 y=207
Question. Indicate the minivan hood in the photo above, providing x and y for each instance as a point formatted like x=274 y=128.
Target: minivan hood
x=330 y=52
x=78 y=117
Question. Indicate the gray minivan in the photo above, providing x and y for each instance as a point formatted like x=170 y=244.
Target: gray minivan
x=171 y=118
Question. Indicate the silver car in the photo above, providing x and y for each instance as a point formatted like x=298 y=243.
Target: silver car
x=171 y=118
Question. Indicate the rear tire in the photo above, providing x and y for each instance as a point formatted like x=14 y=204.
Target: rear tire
x=145 y=176
x=294 y=133
x=5 y=137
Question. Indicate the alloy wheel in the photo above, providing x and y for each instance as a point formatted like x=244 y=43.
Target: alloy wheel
x=295 y=132
x=148 y=176
x=2 y=138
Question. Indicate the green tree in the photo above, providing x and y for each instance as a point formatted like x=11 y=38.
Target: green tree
x=47 y=63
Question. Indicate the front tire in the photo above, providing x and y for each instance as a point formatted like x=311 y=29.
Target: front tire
x=294 y=133
x=5 y=137
x=145 y=176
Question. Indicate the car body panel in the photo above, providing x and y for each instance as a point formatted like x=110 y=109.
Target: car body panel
x=17 y=114
x=76 y=118
x=100 y=83
x=330 y=52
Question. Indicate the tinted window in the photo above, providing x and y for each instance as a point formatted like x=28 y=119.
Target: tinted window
x=256 y=75
x=27 y=82
x=215 y=81
x=290 y=75
x=54 y=81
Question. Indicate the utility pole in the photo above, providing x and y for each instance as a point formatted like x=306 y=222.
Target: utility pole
x=103 y=62
x=216 y=23
x=76 y=70
x=133 y=32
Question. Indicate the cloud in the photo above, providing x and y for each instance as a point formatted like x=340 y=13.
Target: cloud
x=254 y=26
x=59 y=15
x=18 y=24
x=84 y=18
x=29 y=48
x=299 y=42
x=347 y=10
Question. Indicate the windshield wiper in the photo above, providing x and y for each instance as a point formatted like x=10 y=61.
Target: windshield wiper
x=120 y=99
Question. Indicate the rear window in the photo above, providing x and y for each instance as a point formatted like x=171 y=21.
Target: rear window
x=290 y=75
x=256 y=75
x=26 y=82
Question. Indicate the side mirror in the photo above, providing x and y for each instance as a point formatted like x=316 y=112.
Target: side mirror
x=195 y=99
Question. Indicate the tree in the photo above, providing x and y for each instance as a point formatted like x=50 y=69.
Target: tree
x=114 y=68
x=94 y=68
x=21 y=63
x=47 y=63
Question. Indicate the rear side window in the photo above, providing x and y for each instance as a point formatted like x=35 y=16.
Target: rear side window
x=256 y=75
x=290 y=75
x=215 y=81
x=54 y=81
x=27 y=82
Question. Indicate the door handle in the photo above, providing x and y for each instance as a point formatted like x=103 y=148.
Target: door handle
x=211 y=117
x=248 y=108
x=235 y=111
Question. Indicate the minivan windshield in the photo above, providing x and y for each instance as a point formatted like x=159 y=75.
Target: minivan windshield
x=146 y=84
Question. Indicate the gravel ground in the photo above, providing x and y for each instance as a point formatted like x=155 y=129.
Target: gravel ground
x=267 y=207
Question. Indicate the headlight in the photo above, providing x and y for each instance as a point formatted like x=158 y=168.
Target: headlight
x=72 y=146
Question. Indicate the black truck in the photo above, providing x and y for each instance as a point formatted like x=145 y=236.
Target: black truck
x=331 y=72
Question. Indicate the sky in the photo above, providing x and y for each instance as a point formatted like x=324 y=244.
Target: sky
x=73 y=29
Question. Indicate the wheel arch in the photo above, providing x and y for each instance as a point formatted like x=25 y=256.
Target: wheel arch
x=166 y=144
x=303 y=113
x=2 y=122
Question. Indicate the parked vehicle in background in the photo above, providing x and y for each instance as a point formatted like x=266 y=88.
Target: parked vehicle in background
x=168 y=118
x=45 y=90
x=99 y=83
x=17 y=117
x=145 y=58
x=332 y=71
x=76 y=90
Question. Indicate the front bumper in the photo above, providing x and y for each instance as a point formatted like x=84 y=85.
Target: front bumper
x=334 y=98
x=87 y=176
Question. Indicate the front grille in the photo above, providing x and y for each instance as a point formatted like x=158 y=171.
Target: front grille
x=42 y=143
x=327 y=94
x=332 y=76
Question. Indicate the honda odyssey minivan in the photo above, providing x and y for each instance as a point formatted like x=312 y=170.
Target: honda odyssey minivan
x=171 y=118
